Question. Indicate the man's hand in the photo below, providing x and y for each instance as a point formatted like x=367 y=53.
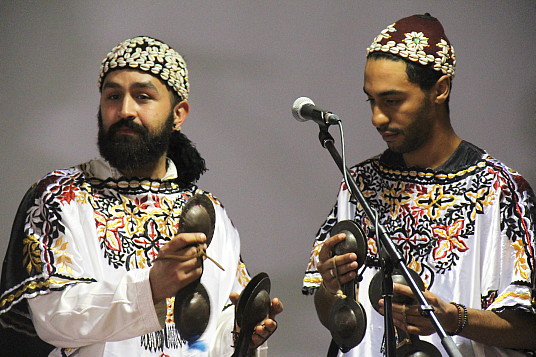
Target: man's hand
x=266 y=327
x=168 y=276
x=409 y=318
x=336 y=270
x=509 y=328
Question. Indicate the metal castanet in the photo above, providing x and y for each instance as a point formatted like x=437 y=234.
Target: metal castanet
x=252 y=308
x=347 y=320
x=192 y=303
x=408 y=345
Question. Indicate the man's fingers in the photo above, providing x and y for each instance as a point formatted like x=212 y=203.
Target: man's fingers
x=402 y=289
x=234 y=298
x=276 y=308
x=263 y=331
x=183 y=240
x=325 y=252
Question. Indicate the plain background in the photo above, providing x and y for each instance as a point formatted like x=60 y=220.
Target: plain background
x=248 y=62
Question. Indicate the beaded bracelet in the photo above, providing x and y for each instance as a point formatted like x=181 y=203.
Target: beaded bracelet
x=463 y=317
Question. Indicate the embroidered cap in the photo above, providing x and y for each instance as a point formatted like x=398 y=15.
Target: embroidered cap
x=418 y=38
x=152 y=56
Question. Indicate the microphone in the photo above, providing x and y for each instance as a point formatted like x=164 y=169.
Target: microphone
x=305 y=109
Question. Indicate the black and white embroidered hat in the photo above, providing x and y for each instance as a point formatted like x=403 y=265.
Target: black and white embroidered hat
x=418 y=38
x=152 y=56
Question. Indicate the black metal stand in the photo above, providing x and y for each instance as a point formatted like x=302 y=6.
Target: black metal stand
x=387 y=293
x=390 y=258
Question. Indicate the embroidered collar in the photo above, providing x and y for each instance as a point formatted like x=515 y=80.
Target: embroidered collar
x=464 y=156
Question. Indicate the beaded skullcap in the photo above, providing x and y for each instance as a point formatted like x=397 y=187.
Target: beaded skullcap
x=418 y=38
x=152 y=56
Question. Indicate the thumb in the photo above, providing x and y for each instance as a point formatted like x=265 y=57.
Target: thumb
x=234 y=298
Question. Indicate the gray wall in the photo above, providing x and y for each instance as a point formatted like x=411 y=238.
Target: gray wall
x=248 y=62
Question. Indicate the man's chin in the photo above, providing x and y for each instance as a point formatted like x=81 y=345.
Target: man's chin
x=127 y=138
x=123 y=166
x=394 y=148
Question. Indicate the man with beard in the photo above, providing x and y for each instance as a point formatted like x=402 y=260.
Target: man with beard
x=463 y=221
x=95 y=258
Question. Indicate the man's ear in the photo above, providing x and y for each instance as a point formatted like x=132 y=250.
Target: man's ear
x=180 y=113
x=442 y=89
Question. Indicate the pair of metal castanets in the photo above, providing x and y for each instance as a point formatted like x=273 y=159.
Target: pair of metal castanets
x=347 y=319
x=192 y=303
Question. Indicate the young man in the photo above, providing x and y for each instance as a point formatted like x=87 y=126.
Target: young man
x=463 y=221
x=95 y=259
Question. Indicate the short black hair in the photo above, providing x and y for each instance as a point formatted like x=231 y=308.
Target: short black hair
x=424 y=76
x=176 y=98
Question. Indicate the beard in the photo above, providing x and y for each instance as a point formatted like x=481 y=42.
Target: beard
x=133 y=152
x=417 y=132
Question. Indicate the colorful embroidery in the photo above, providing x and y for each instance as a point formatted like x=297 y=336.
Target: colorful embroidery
x=75 y=228
x=132 y=222
x=31 y=255
x=448 y=239
x=432 y=218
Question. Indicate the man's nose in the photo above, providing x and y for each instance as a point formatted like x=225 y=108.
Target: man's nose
x=379 y=118
x=128 y=107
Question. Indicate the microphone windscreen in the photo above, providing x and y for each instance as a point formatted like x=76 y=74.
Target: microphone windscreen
x=298 y=105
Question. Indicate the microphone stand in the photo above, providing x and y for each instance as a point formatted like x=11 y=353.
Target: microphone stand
x=390 y=259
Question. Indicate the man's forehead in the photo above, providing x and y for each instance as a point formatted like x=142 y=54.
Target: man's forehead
x=389 y=63
x=132 y=77
x=385 y=69
x=385 y=77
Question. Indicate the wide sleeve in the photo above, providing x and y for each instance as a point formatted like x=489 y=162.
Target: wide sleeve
x=79 y=300
x=17 y=333
x=509 y=282
x=101 y=311
x=343 y=209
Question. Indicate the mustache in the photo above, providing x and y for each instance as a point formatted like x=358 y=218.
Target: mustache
x=385 y=129
x=125 y=123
